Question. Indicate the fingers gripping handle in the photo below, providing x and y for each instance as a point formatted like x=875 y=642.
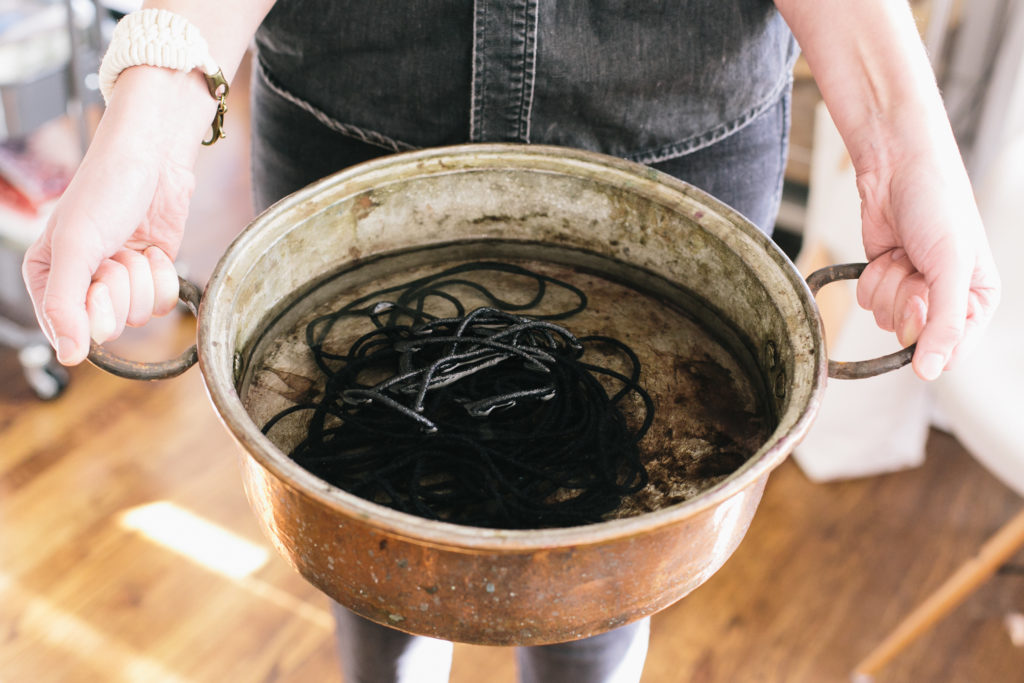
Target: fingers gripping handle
x=189 y=294
x=865 y=368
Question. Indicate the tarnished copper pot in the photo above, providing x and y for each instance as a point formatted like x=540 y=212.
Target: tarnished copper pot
x=491 y=586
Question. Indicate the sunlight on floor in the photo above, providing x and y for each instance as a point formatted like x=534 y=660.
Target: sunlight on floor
x=199 y=540
x=219 y=551
x=41 y=619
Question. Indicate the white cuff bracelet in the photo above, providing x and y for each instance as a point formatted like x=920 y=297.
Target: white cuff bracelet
x=156 y=37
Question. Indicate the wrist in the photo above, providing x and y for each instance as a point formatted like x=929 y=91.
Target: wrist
x=174 y=108
x=163 y=38
x=893 y=131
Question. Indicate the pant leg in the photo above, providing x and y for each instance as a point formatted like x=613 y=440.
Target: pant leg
x=613 y=657
x=292 y=149
x=371 y=653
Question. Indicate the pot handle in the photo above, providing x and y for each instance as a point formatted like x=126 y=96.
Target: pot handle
x=864 y=368
x=189 y=294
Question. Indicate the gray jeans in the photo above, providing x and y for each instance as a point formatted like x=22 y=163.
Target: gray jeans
x=291 y=149
x=300 y=137
x=371 y=653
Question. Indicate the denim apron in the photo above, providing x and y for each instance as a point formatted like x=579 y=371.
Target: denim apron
x=652 y=81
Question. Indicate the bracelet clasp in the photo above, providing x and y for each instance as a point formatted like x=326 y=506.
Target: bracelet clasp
x=218 y=87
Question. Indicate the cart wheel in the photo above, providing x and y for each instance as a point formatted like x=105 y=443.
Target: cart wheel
x=46 y=377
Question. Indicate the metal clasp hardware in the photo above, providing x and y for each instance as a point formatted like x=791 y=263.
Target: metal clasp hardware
x=218 y=87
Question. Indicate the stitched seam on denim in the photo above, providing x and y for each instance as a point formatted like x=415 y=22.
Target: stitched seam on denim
x=370 y=137
x=512 y=70
x=780 y=178
x=532 y=15
x=478 y=82
x=719 y=132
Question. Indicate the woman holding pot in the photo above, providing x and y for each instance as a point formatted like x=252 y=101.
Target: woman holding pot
x=698 y=89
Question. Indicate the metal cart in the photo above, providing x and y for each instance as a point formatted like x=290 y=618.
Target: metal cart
x=50 y=51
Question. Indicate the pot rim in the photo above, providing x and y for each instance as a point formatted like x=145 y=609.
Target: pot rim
x=218 y=376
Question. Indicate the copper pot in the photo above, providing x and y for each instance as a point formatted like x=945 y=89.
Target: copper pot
x=490 y=586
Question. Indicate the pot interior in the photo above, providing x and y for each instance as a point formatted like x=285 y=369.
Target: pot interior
x=727 y=337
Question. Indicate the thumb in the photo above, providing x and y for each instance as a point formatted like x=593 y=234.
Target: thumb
x=63 y=304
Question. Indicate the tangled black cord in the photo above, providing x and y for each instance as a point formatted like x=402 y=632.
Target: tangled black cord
x=485 y=417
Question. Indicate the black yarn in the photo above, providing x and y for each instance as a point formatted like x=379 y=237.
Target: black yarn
x=483 y=417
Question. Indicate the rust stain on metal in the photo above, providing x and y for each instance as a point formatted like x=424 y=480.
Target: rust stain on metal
x=363 y=206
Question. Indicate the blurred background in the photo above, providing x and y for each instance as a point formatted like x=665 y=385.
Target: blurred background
x=128 y=551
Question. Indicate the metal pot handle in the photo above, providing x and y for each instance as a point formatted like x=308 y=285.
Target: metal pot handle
x=864 y=368
x=189 y=294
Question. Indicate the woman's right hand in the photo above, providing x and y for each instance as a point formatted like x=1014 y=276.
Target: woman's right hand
x=105 y=259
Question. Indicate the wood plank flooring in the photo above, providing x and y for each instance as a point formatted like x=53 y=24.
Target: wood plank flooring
x=91 y=591
x=85 y=595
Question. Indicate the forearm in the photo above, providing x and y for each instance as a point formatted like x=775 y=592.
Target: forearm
x=874 y=75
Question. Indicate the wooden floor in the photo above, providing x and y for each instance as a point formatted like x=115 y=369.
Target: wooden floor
x=120 y=501
x=90 y=589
